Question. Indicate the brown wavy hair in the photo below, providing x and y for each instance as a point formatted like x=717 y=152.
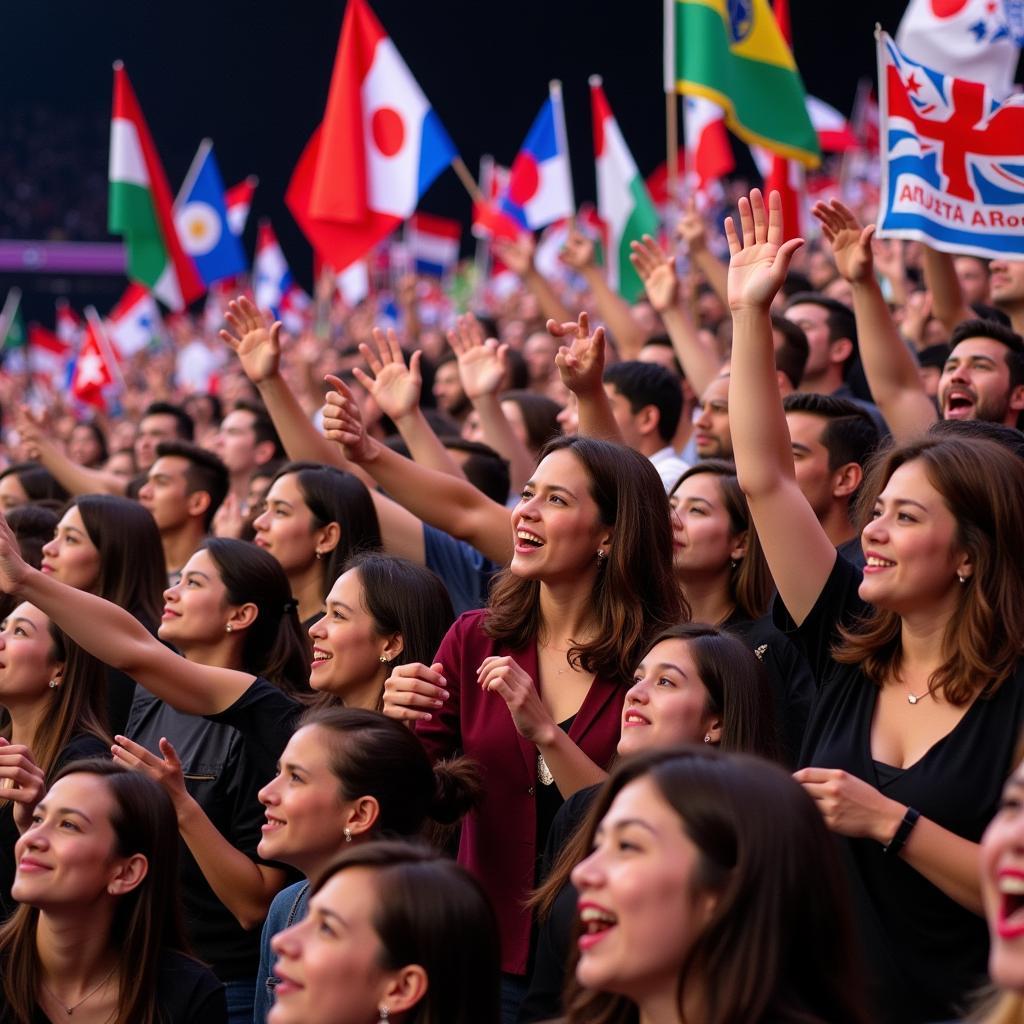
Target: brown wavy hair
x=983 y=487
x=750 y=583
x=635 y=594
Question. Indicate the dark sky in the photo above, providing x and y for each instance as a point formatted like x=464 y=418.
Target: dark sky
x=253 y=74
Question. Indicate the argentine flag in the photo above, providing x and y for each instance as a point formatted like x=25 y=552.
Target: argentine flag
x=201 y=216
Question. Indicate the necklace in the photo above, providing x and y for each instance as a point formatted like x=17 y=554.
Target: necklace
x=913 y=698
x=69 y=1010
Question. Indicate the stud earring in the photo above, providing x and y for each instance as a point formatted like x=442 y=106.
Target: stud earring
x=383 y=660
x=962 y=579
x=319 y=554
x=385 y=1014
x=229 y=628
x=707 y=737
x=348 y=835
x=53 y=684
x=600 y=555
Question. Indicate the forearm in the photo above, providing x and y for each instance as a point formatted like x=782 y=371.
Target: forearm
x=447 y=502
x=76 y=479
x=616 y=313
x=244 y=887
x=596 y=417
x=551 y=305
x=715 y=272
x=569 y=765
x=700 y=365
x=946 y=860
x=425 y=446
x=499 y=435
x=890 y=369
x=948 y=306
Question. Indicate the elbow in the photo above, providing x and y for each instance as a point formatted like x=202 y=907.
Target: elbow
x=251 y=915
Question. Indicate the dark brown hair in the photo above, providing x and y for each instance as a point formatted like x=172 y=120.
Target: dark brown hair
x=146 y=921
x=768 y=953
x=635 y=595
x=750 y=582
x=431 y=912
x=982 y=486
x=738 y=690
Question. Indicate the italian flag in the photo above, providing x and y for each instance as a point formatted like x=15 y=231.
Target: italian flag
x=623 y=202
x=140 y=205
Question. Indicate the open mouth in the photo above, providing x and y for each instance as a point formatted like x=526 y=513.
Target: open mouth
x=319 y=656
x=875 y=562
x=526 y=539
x=959 y=405
x=272 y=824
x=595 y=923
x=631 y=718
x=1011 y=905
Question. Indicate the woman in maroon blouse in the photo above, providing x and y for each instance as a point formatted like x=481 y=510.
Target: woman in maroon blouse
x=532 y=686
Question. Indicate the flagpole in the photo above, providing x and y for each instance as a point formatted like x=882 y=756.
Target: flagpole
x=555 y=92
x=8 y=313
x=671 y=101
x=481 y=256
x=470 y=185
x=193 y=171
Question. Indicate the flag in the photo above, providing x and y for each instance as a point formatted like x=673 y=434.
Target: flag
x=708 y=150
x=354 y=283
x=540 y=182
x=140 y=205
x=47 y=355
x=271 y=277
x=622 y=200
x=12 y=326
x=865 y=117
x=94 y=370
x=134 y=323
x=972 y=39
x=789 y=179
x=835 y=134
x=952 y=169
x=68 y=324
x=732 y=52
x=489 y=220
x=238 y=199
x=296 y=310
x=433 y=243
x=378 y=149
x=201 y=216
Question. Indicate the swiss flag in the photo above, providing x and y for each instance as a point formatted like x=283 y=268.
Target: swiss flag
x=93 y=371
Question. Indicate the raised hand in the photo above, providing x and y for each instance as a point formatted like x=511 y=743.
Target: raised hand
x=254 y=339
x=413 y=691
x=517 y=255
x=394 y=386
x=166 y=770
x=31 y=432
x=581 y=362
x=343 y=422
x=578 y=251
x=657 y=272
x=24 y=782
x=888 y=257
x=482 y=364
x=851 y=243
x=758 y=263
x=692 y=229
x=13 y=568
x=229 y=520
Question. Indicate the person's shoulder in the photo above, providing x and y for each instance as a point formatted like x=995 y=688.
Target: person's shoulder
x=81 y=746
x=184 y=982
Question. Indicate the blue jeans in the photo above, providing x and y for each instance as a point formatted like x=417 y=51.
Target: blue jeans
x=240 y=995
x=513 y=991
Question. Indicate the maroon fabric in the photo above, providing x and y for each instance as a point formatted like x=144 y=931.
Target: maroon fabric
x=499 y=839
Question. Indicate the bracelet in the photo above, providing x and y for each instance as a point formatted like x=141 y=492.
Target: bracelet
x=902 y=833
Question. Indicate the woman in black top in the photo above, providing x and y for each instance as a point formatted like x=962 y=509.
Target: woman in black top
x=920 y=693
x=97 y=935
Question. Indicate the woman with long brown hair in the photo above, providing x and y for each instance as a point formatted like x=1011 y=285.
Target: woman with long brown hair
x=97 y=937
x=588 y=585
x=920 y=685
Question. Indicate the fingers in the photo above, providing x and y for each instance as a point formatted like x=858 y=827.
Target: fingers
x=731 y=236
x=780 y=267
x=133 y=751
x=372 y=361
x=866 y=236
x=583 y=325
x=339 y=386
x=414 y=363
x=767 y=223
x=170 y=754
x=557 y=330
x=746 y=222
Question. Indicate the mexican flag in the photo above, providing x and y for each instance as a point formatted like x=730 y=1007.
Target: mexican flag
x=140 y=205
x=623 y=202
x=734 y=54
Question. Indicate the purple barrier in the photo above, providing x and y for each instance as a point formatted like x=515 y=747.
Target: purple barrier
x=62 y=257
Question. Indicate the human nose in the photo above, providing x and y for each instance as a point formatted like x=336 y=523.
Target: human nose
x=50 y=548
x=268 y=794
x=289 y=942
x=637 y=693
x=703 y=419
x=588 y=873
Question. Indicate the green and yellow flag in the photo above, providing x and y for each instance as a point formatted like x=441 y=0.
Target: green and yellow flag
x=732 y=53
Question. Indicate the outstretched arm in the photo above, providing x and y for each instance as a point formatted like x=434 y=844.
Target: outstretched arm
x=518 y=257
x=888 y=365
x=75 y=479
x=447 y=502
x=694 y=232
x=799 y=552
x=948 y=306
x=658 y=274
x=118 y=639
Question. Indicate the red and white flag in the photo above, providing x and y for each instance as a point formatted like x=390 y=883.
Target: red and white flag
x=238 y=201
x=47 y=355
x=835 y=133
x=69 y=324
x=135 y=321
x=708 y=151
x=96 y=367
x=433 y=243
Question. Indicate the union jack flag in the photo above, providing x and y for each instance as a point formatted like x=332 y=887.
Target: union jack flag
x=953 y=167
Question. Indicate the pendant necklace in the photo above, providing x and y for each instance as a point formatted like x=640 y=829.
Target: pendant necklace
x=69 y=1010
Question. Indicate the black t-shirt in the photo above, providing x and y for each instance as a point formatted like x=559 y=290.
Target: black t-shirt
x=926 y=954
x=186 y=993
x=223 y=773
x=265 y=716
x=78 y=747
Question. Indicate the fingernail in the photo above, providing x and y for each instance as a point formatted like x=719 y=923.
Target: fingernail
x=427 y=717
x=445 y=694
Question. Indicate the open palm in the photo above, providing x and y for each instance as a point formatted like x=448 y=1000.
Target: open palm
x=759 y=260
x=255 y=340
x=394 y=386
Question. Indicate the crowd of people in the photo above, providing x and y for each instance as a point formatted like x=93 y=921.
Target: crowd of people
x=575 y=660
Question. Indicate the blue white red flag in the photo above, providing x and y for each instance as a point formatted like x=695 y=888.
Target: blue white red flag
x=539 y=188
x=953 y=160
x=201 y=217
x=271 y=277
x=978 y=40
x=433 y=243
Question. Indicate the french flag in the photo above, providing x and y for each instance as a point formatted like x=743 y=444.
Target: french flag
x=433 y=243
x=271 y=277
x=539 y=188
x=378 y=149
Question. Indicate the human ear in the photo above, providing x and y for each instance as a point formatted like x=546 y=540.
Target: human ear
x=128 y=875
x=846 y=480
x=405 y=988
x=197 y=503
x=363 y=815
x=327 y=538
